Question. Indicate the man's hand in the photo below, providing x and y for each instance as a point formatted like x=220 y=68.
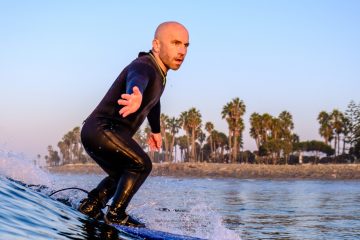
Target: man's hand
x=131 y=102
x=155 y=141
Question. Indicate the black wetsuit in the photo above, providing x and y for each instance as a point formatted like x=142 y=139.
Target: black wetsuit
x=107 y=136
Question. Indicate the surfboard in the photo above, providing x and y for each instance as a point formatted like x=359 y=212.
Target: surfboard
x=149 y=234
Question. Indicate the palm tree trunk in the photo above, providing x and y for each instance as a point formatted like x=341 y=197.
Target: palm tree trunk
x=230 y=146
x=172 y=148
x=166 y=158
x=214 y=151
x=335 y=145
x=235 y=148
x=338 y=136
x=188 y=147
x=211 y=147
x=193 y=150
x=222 y=154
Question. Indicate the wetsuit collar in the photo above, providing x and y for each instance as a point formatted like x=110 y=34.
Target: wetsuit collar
x=163 y=74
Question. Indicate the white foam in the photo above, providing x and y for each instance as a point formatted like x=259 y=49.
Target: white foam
x=17 y=166
x=21 y=168
x=210 y=224
x=200 y=220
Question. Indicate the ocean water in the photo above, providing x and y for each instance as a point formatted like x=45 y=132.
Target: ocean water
x=204 y=208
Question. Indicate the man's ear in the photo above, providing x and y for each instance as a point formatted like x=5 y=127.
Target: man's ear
x=156 y=45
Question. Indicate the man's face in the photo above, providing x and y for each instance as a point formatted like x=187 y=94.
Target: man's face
x=173 y=47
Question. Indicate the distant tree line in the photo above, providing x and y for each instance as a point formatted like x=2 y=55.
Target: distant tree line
x=70 y=150
x=343 y=129
x=274 y=137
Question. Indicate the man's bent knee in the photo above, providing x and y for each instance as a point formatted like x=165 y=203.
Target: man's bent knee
x=143 y=165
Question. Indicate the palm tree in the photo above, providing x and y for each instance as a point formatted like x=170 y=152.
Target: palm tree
x=287 y=125
x=71 y=148
x=233 y=112
x=163 y=126
x=274 y=142
x=184 y=119
x=201 y=138
x=260 y=130
x=63 y=150
x=275 y=128
x=64 y=147
x=71 y=138
x=346 y=132
x=226 y=114
x=173 y=125
x=193 y=122
x=221 y=141
x=272 y=135
x=77 y=148
x=256 y=128
x=266 y=120
x=53 y=158
x=183 y=145
x=337 y=124
x=215 y=138
x=209 y=127
x=326 y=131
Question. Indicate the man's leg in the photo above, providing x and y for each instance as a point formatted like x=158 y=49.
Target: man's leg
x=123 y=159
x=136 y=167
x=92 y=137
x=98 y=197
x=128 y=185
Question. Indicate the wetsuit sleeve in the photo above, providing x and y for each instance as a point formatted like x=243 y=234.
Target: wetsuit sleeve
x=154 y=118
x=138 y=75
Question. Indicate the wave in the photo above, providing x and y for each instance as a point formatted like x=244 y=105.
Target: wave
x=28 y=212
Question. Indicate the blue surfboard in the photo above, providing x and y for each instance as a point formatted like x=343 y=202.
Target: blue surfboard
x=149 y=234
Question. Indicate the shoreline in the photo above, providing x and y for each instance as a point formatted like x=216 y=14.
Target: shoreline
x=240 y=171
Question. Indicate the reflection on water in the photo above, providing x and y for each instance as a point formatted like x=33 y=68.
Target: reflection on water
x=292 y=209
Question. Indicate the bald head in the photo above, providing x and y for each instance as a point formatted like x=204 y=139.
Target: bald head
x=170 y=44
x=166 y=27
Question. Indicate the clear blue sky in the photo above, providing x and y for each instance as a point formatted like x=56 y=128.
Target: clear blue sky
x=58 y=58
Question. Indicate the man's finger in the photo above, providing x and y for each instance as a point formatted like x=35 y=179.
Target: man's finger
x=122 y=111
x=123 y=102
x=126 y=113
x=125 y=96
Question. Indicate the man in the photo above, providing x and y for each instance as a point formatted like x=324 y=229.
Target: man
x=107 y=132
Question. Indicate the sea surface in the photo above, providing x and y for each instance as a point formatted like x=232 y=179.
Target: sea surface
x=204 y=208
